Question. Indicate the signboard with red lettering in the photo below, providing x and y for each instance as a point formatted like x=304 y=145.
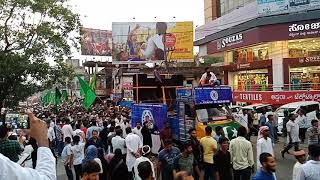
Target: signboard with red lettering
x=283 y=97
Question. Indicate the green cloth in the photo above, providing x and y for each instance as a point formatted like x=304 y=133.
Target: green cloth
x=47 y=98
x=10 y=149
x=57 y=97
x=89 y=94
x=230 y=129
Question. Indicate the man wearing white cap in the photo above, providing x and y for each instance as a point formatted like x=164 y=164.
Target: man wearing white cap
x=301 y=159
x=146 y=151
x=264 y=144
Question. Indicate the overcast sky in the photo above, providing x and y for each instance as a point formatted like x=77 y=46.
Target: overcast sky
x=100 y=14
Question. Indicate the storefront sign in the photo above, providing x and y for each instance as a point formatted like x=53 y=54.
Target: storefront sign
x=304 y=29
x=230 y=41
x=310 y=59
x=284 y=97
x=212 y=95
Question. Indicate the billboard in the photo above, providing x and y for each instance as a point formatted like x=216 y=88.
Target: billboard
x=141 y=42
x=154 y=114
x=96 y=42
x=212 y=95
x=273 y=7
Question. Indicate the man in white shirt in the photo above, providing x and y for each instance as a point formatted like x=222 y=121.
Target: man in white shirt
x=311 y=169
x=134 y=145
x=137 y=130
x=46 y=163
x=264 y=144
x=208 y=78
x=293 y=135
x=156 y=42
x=241 y=155
x=79 y=132
x=301 y=159
x=67 y=130
x=119 y=143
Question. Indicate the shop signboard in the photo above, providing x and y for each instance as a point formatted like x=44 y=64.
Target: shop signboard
x=96 y=42
x=304 y=29
x=273 y=7
x=154 y=114
x=271 y=97
x=142 y=42
x=212 y=95
x=127 y=86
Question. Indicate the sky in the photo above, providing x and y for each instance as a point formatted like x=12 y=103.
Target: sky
x=99 y=14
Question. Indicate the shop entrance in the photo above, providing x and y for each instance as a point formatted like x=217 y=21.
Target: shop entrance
x=305 y=78
x=250 y=80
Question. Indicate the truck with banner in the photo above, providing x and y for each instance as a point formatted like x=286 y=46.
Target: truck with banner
x=206 y=106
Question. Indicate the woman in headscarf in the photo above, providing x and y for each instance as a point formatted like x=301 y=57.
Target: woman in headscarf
x=92 y=154
x=264 y=143
x=118 y=168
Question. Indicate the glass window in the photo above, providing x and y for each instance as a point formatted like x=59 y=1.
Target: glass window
x=250 y=54
x=304 y=48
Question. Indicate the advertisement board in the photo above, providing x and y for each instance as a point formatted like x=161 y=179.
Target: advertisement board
x=141 y=42
x=154 y=114
x=283 y=97
x=212 y=95
x=273 y=7
x=96 y=42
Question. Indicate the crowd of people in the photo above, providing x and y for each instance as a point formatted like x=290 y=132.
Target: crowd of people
x=103 y=144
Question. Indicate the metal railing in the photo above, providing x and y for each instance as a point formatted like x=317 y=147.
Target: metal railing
x=274 y=87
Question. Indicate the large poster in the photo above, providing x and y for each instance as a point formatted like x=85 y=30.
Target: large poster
x=141 y=42
x=96 y=42
x=273 y=7
x=154 y=114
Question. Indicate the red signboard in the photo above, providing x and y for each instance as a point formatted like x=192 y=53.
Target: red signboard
x=127 y=86
x=270 y=97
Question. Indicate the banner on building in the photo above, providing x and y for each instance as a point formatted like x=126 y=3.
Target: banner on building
x=154 y=114
x=141 y=42
x=273 y=7
x=212 y=95
x=283 y=97
x=96 y=42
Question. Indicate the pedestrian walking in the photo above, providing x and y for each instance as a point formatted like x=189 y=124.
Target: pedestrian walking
x=292 y=135
x=264 y=144
x=134 y=145
x=241 y=156
x=303 y=124
x=118 y=168
x=66 y=158
x=91 y=170
x=146 y=152
x=270 y=126
x=77 y=155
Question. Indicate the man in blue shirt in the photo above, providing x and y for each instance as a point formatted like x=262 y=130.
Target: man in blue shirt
x=268 y=167
x=166 y=158
x=271 y=128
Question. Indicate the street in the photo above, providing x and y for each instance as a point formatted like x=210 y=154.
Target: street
x=284 y=166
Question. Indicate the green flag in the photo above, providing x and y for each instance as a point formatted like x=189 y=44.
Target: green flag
x=46 y=99
x=89 y=94
x=65 y=95
x=57 y=97
x=229 y=128
x=93 y=81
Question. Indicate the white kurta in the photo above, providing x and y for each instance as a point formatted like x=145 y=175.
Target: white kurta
x=133 y=143
x=264 y=145
x=45 y=170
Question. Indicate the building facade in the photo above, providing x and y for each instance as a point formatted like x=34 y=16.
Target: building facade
x=275 y=53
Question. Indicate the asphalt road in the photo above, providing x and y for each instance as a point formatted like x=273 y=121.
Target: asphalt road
x=284 y=166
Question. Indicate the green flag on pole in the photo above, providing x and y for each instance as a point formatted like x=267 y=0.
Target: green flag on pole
x=47 y=98
x=88 y=93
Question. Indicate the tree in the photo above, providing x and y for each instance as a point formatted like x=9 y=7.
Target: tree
x=31 y=32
